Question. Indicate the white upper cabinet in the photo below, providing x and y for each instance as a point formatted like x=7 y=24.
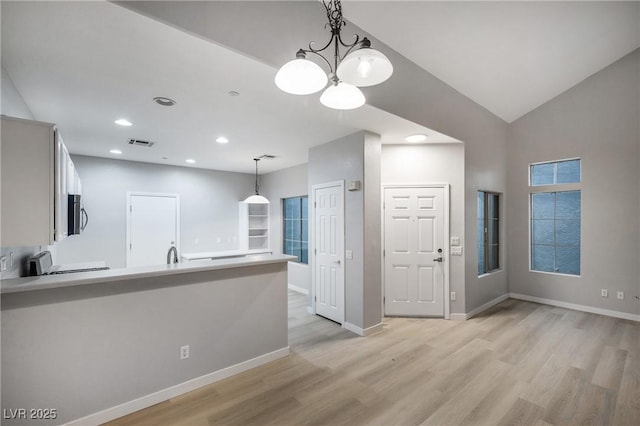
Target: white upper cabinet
x=37 y=176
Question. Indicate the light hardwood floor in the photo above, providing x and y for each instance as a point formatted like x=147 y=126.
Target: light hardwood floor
x=519 y=363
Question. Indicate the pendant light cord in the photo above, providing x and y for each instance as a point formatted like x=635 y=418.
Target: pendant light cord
x=257 y=187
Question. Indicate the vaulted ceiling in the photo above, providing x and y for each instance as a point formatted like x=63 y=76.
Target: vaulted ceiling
x=82 y=65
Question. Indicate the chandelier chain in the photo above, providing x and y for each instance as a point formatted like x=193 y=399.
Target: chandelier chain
x=336 y=22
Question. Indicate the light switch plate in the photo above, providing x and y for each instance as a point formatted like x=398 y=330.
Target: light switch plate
x=456 y=251
x=455 y=241
x=348 y=254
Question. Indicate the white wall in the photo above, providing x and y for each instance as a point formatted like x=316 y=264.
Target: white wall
x=208 y=207
x=597 y=120
x=286 y=183
x=423 y=164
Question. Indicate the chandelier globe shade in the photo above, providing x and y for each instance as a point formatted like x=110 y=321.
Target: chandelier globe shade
x=365 y=67
x=342 y=96
x=301 y=77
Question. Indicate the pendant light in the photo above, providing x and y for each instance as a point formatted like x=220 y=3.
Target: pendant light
x=358 y=66
x=256 y=198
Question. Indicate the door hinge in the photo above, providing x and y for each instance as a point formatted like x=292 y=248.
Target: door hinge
x=130 y=209
x=130 y=246
x=384 y=252
x=384 y=300
x=315 y=298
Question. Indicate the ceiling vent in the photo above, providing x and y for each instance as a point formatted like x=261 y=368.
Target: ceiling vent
x=140 y=142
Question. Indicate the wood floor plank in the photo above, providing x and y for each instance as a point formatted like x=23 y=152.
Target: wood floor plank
x=522 y=413
x=520 y=363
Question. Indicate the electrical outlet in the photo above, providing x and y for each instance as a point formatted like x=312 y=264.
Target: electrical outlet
x=604 y=292
x=621 y=295
x=184 y=352
x=453 y=295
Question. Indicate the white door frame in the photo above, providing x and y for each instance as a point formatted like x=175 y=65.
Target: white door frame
x=447 y=258
x=312 y=242
x=151 y=194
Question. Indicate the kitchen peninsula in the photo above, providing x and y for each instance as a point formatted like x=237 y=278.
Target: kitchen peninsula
x=97 y=345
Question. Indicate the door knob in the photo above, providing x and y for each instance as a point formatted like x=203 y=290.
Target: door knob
x=438 y=259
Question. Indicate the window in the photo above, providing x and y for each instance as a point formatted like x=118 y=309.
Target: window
x=555 y=210
x=488 y=232
x=296 y=228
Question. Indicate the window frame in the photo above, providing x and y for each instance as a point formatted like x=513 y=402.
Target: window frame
x=485 y=232
x=554 y=188
x=284 y=228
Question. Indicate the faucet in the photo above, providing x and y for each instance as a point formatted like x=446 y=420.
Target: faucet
x=175 y=255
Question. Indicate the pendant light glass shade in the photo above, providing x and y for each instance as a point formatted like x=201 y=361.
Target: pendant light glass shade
x=342 y=96
x=301 y=77
x=365 y=67
x=256 y=199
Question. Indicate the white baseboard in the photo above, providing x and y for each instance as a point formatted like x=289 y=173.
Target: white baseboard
x=298 y=289
x=363 y=331
x=458 y=317
x=479 y=309
x=168 y=393
x=576 y=307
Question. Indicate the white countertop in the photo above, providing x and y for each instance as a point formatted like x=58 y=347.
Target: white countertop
x=17 y=285
x=219 y=254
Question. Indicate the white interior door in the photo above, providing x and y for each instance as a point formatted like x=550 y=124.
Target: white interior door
x=152 y=228
x=414 y=244
x=329 y=249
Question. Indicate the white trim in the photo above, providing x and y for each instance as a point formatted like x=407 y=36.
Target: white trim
x=312 y=244
x=298 y=289
x=310 y=310
x=576 y=307
x=173 y=391
x=128 y=213
x=364 y=332
x=479 y=309
x=446 y=235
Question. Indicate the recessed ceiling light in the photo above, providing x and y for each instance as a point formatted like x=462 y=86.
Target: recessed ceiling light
x=190 y=160
x=160 y=100
x=115 y=151
x=123 y=122
x=416 y=138
x=222 y=139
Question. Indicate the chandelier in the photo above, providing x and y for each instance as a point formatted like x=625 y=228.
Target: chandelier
x=358 y=66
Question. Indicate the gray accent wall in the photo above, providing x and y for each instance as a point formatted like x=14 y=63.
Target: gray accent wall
x=13 y=105
x=411 y=93
x=286 y=183
x=356 y=158
x=208 y=207
x=597 y=121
